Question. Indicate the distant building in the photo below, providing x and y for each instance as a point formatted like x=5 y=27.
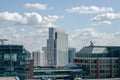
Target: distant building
x=39 y=58
x=13 y=61
x=44 y=49
x=71 y=54
x=57 y=47
x=99 y=61
x=42 y=58
x=36 y=58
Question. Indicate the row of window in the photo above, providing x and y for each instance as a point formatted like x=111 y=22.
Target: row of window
x=105 y=66
x=104 y=76
x=104 y=71
x=91 y=55
x=97 y=61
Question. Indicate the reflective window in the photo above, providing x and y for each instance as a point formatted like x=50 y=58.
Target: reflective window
x=6 y=56
x=14 y=57
x=10 y=57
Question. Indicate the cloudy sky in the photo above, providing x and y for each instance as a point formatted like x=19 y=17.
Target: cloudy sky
x=27 y=21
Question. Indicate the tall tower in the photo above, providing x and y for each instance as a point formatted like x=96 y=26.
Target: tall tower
x=57 y=47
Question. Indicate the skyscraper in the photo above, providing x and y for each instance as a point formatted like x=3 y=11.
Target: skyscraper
x=57 y=47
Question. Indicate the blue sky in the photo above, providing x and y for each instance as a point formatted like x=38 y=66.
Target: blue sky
x=27 y=21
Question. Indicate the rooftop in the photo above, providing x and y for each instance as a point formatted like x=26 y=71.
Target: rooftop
x=94 y=49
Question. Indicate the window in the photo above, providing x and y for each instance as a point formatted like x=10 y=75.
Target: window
x=14 y=57
x=108 y=66
x=55 y=35
x=102 y=71
x=94 y=71
x=116 y=66
x=93 y=66
x=108 y=61
x=10 y=57
x=102 y=66
x=0 y=56
x=102 y=61
x=93 y=61
x=6 y=56
x=116 y=71
x=108 y=71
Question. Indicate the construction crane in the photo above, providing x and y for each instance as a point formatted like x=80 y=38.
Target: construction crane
x=3 y=40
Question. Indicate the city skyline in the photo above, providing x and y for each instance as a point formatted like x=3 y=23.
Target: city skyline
x=27 y=22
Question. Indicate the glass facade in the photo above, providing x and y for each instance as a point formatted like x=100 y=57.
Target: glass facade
x=12 y=60
x=57 y=47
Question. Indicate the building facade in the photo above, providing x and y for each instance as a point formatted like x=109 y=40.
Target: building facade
x=99 y=61
x=71 y=54
x=29 y=68
x=44 y=49
x=36 y=58
x=57 y=47
x=13 y=61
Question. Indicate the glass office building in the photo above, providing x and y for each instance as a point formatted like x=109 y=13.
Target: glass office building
x=57 y=47
x=12 y=61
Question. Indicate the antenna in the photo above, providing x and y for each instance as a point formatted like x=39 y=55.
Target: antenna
x=3 y=40
x=92 y=43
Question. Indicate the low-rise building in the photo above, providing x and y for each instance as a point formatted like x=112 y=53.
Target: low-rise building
x=99 y=61
x=13 y=61
x=69 y=72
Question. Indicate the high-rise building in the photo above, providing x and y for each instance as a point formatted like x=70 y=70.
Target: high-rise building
x=57 y=47
x=13 y=62
x=99 y=61
x=71 y=54
x=44 y=49
x=36 y=58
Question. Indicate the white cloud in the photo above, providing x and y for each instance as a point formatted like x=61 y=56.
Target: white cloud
x=106 y=18
x=33 y=40
x=82 y=37
x=7 y=16
x=36 y=6
x=31 y=19
x=22 y=29
x=90 y=9
x=53 y=18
